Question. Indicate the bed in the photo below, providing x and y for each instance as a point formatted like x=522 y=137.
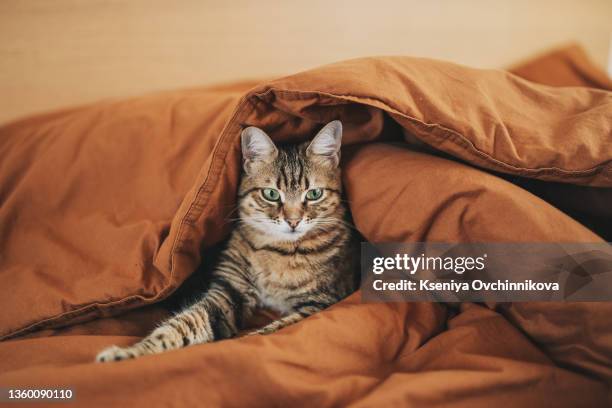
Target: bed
x=107 y=209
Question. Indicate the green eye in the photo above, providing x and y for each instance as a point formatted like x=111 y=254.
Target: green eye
x=314 y=194
x=270 y=194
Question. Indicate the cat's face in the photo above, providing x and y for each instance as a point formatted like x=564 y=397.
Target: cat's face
x=287 y=192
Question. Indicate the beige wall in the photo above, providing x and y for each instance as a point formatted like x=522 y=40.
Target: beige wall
x=64 y=52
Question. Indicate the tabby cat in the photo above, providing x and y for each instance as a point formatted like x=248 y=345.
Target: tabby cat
x=289 y=251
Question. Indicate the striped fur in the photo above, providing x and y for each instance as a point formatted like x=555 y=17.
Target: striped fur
x=297 y=270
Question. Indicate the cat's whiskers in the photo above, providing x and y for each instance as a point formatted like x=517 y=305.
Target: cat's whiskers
x=332 y=222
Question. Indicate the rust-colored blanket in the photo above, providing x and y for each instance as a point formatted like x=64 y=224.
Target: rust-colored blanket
x=104 y=211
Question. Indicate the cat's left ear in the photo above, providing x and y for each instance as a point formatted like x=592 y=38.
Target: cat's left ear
x=257 y=148
x=326 y=144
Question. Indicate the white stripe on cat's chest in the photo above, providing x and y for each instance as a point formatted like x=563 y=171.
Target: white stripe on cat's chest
x=276 y=303
x=276 y=272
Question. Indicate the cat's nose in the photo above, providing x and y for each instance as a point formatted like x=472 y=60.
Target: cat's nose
x=293 y=222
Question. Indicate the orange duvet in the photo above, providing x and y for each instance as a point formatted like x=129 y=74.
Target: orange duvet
x=105 y=211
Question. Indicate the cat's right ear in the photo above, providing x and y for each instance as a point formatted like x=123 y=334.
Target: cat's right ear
x=257 y=148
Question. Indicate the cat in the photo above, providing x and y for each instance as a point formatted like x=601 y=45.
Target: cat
x=290 y=249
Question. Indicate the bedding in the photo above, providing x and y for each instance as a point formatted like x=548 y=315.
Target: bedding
x=105 y=210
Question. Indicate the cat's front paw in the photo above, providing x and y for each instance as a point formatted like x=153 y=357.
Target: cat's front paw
x=114 y=353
